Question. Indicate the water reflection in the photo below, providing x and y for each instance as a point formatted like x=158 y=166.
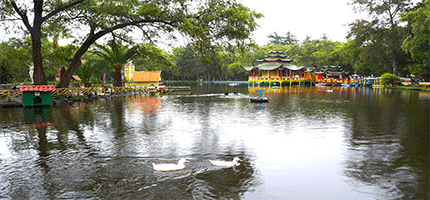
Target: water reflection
x=349 y=143
x=393 y=157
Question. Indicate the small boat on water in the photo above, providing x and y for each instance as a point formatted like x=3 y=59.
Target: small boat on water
x=233 y=84
x=259 y=100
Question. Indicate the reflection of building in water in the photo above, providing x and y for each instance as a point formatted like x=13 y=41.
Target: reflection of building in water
x=280 y=90
x=148 y=104
x=38 y=117
x=276 y=70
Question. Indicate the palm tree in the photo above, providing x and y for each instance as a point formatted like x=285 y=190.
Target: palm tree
x=116 y=56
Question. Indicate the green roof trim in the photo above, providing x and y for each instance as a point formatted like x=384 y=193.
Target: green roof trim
x=334 y=72
x=276 y=52
x=276 y=55
x=248 y=68
x=275 y=66
x=275 y=59
x=269 y=66
x=333 y=67
x=294 y=67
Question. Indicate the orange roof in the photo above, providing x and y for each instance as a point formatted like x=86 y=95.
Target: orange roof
x=76 y=77
x=146 y=76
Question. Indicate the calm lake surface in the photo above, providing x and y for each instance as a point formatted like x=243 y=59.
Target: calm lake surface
x=306 y=143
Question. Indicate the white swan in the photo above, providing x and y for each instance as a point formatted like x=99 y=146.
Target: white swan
x=220 y=163
x=170 y=167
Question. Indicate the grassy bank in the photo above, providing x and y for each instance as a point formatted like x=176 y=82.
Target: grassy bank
x=402 y=87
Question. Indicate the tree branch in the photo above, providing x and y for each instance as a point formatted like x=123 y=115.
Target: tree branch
x=10 y=20
x=61 y=8
x=23 y=16
x=76 y=61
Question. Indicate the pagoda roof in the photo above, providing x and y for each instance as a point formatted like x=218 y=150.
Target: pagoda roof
x=268 y=66
x=276 y=55
x=276 y=52
x=294 y=67
x=333 y=67
x=334 y=72
x=275 y=59
x=248 y=68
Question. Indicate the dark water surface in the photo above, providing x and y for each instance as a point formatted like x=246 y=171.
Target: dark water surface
x=306 y=143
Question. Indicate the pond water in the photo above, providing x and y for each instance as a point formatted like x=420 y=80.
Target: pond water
x=306 y=143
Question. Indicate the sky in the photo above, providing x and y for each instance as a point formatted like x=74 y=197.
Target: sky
x=303 y=18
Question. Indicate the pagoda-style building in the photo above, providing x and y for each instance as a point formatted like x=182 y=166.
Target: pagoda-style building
x=331 y=76
x=276 y=70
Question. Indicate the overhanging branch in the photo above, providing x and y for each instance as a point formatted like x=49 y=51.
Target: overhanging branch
x=23 y=16
x=62 y=8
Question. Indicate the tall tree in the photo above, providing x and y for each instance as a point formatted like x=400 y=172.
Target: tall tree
x=288 y=39
x=116 y=56
x=384 y=31
x=418 y=42
x=15 y=60
x=208 y=20
x=188 y=64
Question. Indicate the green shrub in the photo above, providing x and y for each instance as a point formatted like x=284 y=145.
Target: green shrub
x=390 y=79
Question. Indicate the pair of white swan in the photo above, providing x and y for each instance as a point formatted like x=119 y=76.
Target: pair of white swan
x=181 y=164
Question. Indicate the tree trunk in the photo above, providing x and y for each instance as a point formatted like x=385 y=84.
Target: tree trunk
x=117 y=79
x=36 y=36
x=395 y=62
x=76 y=62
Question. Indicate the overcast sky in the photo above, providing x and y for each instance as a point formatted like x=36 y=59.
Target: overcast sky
x=303 y=18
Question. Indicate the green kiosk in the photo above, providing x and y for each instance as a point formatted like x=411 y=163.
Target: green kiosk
x=36 y=95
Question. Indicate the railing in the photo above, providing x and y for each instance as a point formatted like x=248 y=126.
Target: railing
x=277 y=78
x=99 y=91
x=179 y=88
x=9 y=94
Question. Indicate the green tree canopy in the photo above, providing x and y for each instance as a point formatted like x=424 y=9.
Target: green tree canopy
x=208 y=22
x=382 y=36
x=418 y=43
x=16 y=56
x=288 y=39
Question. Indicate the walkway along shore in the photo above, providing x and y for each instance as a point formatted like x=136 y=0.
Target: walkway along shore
x=13 y=97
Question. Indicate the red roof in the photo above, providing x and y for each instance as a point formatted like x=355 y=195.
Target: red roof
x=36 y=88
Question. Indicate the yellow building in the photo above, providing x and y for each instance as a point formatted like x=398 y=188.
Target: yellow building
x=129 y=69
